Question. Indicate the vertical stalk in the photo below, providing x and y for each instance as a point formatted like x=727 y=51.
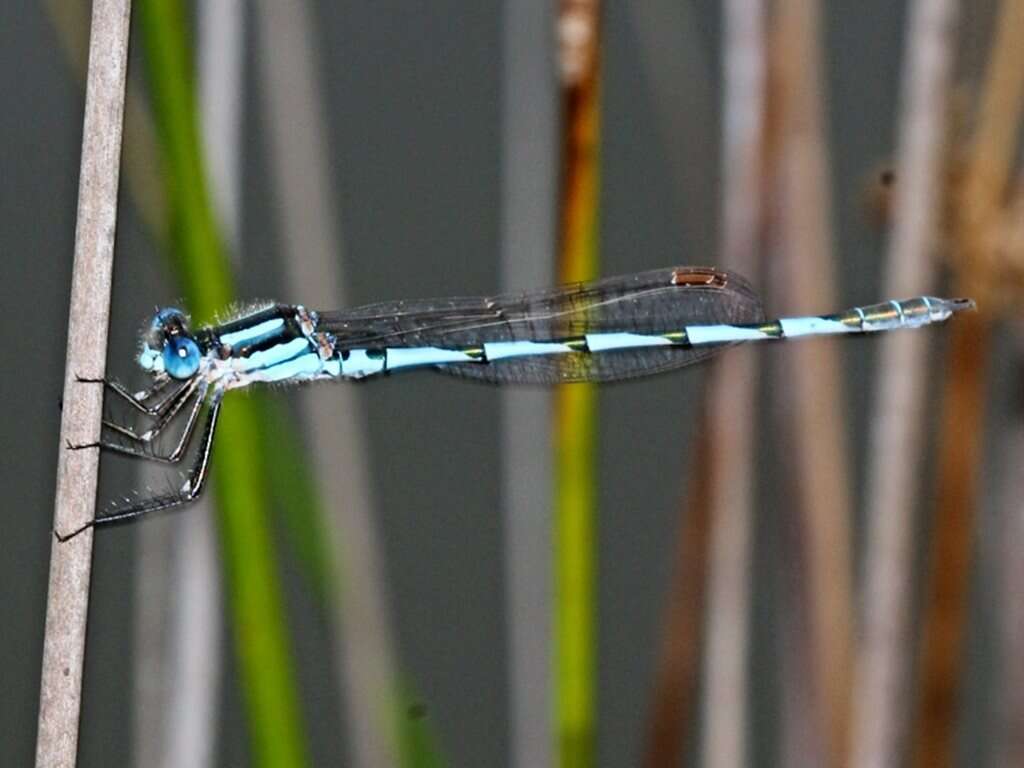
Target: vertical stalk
x=980 y=214
x=881 y=675
x=255 y=598
x=364 y=644
x=70 y=562
x=682 y=631
x=182 y=727
x=676 y=69
x=732 y=382
x=528 y=240
x=1009 y=533
x=943 y=623
x=1009 y=542
x=576 y=406
x=814 y=396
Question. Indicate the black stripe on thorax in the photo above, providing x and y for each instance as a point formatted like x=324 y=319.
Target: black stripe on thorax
x=287 y=332
x=283 y=311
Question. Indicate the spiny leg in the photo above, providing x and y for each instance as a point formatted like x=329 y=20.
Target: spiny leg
x=137 y=400
x=194 y=388
x=141 y=453
x=190 y=491
x=160 y=381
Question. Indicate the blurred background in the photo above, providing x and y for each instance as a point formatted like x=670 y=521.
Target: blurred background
x=739 y=564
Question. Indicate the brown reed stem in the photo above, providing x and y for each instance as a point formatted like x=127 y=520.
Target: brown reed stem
x=678 y=664
x=816 y=392
x=978 y=227
x=963 y=411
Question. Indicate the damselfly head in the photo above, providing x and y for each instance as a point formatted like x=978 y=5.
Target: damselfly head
x=168 y=347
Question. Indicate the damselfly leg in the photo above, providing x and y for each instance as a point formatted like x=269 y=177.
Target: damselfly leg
x=188 y=492
x=138 y=400
x=194 y=391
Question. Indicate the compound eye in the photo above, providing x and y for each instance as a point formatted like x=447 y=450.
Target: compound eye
x=181 y=357
x=169 y=319
x=166 y=322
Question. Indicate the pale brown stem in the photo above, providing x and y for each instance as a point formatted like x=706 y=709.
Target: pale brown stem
x=994 y=145
x=1008 y=544
x=815 y=392
x=70 y=562
x=732 y=384
x=883 y=660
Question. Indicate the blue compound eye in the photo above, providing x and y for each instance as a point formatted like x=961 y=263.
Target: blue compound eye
x=169 y=317
x=181 y=357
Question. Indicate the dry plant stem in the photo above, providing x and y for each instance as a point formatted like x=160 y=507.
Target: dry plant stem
x=976 y=238
x=814 y=409
x=528 y=237
x=743 y=145
x=880 y=692
x=68 y=597
x=1009 y=543
x=299 y=146
x=802 y=738
x=963 y=410
x=1010 y=722
x=995 y=141
x=1010 y=538
x=987 y=225
x=732 y=384
x=679 y=658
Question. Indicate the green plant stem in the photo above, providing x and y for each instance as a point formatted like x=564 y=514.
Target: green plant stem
x=575 y=448
x=266 y=670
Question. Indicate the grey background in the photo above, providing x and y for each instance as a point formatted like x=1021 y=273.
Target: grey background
x=413 y=100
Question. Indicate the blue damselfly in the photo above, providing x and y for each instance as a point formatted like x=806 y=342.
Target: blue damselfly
x=608 y=330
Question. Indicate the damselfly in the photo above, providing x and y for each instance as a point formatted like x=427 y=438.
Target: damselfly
x=609 y=330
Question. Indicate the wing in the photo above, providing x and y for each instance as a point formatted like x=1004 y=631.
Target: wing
x=652 y=302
